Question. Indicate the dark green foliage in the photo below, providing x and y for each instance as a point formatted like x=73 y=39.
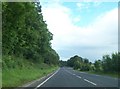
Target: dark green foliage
x=98 y=66
x=25 y=33
x=111 y=64
x=108 y=64
x=62 y=63
x=51 y=57
x=79 y=63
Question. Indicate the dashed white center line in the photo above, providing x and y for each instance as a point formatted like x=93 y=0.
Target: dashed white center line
x=81 y=77
x=97 y=75
x=68 y=71
x=90 y=82
x=78 y=76
x=74 y=74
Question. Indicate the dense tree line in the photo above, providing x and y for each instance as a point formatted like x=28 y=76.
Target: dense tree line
x=80 y=63
x=62 y=63
x=109 y=63
x=106 y=64
x=25 y=33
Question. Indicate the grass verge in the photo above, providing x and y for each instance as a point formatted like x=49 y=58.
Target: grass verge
x=0 y=78
x=115 y=75
x=17 y=76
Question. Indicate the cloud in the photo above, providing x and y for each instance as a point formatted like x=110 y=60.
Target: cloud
x=92 y=41
x=103 y=29
x=97 y=3
x=76 y=19
x=80 y=5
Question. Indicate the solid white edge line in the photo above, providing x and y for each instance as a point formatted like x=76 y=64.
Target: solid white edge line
x=46 y=79
x=90 y=82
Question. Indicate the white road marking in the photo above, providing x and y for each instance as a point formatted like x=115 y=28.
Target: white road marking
x=78 y=76
x=97 y=75
x=90 y=82
x=68 y=71
x=46 y=79
x=73 y=74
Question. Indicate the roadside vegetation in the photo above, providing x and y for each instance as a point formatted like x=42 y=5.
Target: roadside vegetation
x=26 y=44
x=108 y=65
x=27 y=53
x=13 y=77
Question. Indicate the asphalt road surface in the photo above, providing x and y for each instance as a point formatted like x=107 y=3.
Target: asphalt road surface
x=67 y=77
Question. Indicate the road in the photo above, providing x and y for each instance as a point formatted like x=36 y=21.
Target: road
x=67 y=77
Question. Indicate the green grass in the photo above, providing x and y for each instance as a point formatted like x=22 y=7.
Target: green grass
x=0 y=78
x=115 y=75
x=17 y=77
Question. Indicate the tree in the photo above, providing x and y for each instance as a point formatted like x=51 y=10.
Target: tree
x=114 y=62
x=98 y=65
x=25 y=33
x=79 y=63
x=107 y=63
x=62 y=63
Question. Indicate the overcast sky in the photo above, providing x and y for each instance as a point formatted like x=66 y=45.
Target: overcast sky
x=87 y=29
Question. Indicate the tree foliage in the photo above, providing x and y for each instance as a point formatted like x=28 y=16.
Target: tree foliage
x=62 y=63
x=111 y=64
x=25 y=33
x=106 y=64
x=79 y=63
x=98 y=65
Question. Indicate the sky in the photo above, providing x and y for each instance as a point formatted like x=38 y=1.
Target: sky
x=86 y=29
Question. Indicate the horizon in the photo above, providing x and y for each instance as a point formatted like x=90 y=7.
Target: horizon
x=86 y=29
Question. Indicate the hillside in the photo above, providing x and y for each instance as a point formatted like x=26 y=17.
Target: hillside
x=26 y=44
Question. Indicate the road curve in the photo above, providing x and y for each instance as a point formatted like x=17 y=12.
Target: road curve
x=67 y=77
